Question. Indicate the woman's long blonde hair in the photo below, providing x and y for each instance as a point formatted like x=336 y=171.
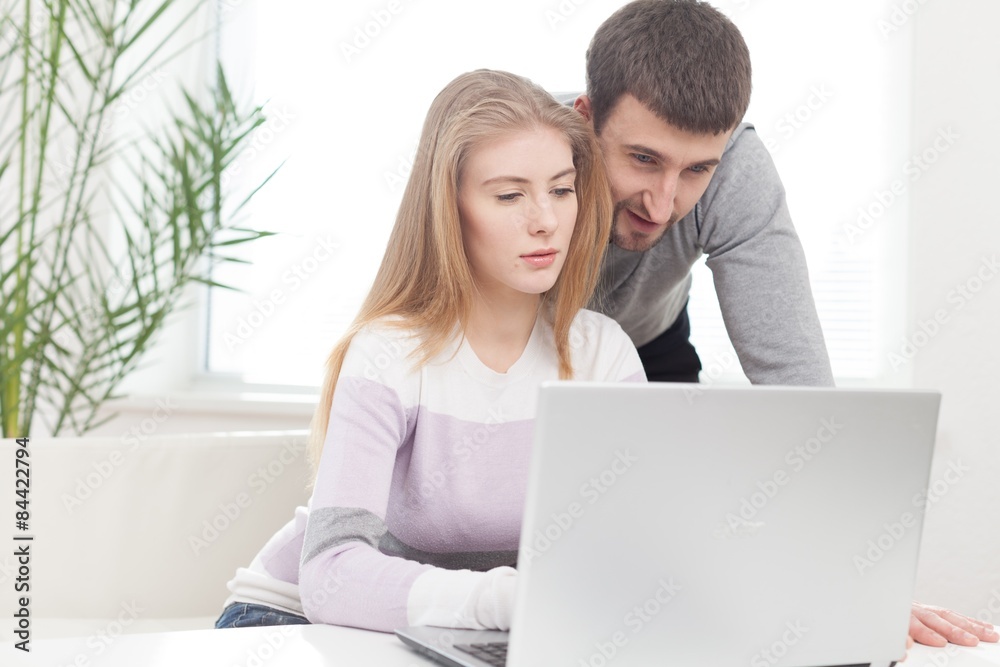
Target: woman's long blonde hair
x=425 y=279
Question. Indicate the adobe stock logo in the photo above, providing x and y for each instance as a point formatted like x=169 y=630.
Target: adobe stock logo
x=365 y=34
x=895 y=531
x=265 y=307
x=635 y=620
x=960 y=296
x=886 y=540
x=799 y=117
x=780 y=647
x=560 y=13
x=741 y=522
x=899 y=16
x=913 y=169
x=592 y=490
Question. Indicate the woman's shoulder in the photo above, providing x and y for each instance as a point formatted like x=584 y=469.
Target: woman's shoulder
x=590 y=325
x=601 y=350
x=389 y=328
x=382 y=350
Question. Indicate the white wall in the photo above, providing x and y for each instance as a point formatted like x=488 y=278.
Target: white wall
x=954 y=227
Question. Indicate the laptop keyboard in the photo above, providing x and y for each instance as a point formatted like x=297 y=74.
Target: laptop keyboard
x=492 y=653
x=495 y=653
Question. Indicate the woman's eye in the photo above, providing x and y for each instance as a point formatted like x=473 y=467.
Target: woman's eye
x=509 y=197
x=562 y=192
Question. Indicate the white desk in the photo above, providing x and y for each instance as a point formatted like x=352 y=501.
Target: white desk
x=309 y=646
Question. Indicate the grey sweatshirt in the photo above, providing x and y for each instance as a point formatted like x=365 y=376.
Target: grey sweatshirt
x=743 y=225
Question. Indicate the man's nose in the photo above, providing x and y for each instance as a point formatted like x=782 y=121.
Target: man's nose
x=659 y=199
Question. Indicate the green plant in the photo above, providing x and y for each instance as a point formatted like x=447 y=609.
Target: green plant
x=100 y=235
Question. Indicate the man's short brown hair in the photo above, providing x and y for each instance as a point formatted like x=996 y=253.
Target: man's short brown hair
x=683 y=59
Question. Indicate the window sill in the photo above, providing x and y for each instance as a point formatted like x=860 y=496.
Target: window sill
x=219 y=403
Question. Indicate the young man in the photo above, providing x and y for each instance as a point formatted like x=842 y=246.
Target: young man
x=667 y=86
x=668 y=82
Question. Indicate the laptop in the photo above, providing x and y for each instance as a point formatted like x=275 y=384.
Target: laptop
x=685 y=524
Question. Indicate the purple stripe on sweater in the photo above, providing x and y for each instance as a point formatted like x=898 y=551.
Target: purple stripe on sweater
x=460 y=485
x=442 y=483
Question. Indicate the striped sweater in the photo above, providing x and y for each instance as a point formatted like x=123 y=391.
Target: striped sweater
x=416 y=512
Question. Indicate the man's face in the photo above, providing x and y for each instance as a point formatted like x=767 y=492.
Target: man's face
x=658 y=172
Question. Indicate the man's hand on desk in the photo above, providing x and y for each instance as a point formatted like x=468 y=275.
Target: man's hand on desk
x=936 y=626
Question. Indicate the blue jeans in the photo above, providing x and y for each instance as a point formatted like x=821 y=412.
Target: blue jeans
x=245 y=615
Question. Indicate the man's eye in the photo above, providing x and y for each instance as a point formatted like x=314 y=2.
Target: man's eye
x=644 y=159
x=699 y=169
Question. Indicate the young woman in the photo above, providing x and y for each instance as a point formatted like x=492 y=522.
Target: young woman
x=422 y=435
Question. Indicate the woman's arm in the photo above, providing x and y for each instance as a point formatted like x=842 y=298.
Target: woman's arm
x=344 y=578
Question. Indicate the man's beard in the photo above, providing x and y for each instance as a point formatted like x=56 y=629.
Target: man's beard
x=626 y=238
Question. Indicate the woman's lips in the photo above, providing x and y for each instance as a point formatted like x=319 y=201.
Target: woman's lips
x=541 y=259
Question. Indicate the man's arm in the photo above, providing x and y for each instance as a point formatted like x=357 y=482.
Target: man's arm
x=763 y=287
x=760 y=270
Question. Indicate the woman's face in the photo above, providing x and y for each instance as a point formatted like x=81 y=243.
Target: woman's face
x=517 y=203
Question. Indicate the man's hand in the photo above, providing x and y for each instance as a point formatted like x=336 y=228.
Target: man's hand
x=935 y=626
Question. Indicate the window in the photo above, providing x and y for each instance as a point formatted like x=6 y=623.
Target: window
x=347 y=89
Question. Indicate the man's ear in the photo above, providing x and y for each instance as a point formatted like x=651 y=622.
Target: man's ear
x=582 y=105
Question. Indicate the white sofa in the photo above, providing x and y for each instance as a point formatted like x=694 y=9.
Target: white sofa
x=138 y=535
